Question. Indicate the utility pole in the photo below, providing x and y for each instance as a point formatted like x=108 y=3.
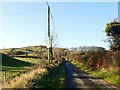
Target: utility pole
x=119 y=11
x=50 y=54
x=49 y=34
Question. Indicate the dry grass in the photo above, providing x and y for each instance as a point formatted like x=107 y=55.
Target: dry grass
x=54 y=78
x=0 y=86
x=25 y=79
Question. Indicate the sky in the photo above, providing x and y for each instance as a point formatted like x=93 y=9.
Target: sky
x=76 y=23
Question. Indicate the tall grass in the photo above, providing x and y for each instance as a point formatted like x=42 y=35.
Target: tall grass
x=50 y=76
x=24 y=80
x=14 y=66
x=112 y=77
x=54 y=78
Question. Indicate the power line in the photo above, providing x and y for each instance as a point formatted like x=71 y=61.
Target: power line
x=37 y=10
x=53 y=24
x=54 y=29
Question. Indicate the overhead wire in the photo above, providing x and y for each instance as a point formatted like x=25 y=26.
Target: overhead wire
x=54 y=28
x=36 y=10
x=53 y=25
x=25 y=12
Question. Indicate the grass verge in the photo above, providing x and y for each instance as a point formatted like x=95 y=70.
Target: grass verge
x=112 y=77
x=24 y=79
x=53 y=78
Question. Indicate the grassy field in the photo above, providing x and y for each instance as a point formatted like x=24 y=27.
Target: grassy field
x=49 y=76
x=35 y=76
x=24 y=80
x=13 y=66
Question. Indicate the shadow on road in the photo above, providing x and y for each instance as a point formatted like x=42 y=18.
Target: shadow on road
x=76 y=78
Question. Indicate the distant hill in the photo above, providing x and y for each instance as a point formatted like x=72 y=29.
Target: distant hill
x=33 y=52
x=41 y=52
x=24 y=50
x=87 y=48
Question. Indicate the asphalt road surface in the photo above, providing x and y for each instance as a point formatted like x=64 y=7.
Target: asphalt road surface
x=76 y=78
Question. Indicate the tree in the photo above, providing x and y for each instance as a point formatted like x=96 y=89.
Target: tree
x=53 y=42
x=112 y=30
x=58 y=53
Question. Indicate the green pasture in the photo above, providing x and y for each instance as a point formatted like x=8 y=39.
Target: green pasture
x=13 y=66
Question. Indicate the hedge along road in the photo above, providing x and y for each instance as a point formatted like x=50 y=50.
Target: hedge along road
x=76 y=78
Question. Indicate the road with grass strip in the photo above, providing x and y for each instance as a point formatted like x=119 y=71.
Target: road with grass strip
x=76 y=78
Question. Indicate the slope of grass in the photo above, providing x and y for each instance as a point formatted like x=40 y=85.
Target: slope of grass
x=13 y=66
x=53 y=78
x=24 y=79
x=110 y=77
x=12 y=62
x=30 y=60
x=40 y=77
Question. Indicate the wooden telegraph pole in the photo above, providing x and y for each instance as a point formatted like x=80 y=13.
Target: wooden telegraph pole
x=119 y=11
x=50 y=54
x=49 y=34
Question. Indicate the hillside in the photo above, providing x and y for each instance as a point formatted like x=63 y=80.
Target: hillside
x=23 y=50
x=12 y=62
x=34 y=52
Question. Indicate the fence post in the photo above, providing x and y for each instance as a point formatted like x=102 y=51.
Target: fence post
x=5 y=77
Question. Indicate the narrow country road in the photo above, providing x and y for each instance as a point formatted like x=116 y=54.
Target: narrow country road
x=76 y=78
